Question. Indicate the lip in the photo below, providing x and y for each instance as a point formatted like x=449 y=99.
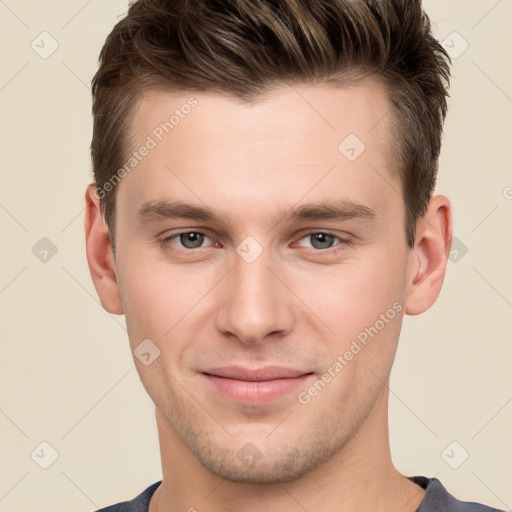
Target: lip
x=255 y=386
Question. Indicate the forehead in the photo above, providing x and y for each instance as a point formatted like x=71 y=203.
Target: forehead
x=290 y=111
x=315 y=140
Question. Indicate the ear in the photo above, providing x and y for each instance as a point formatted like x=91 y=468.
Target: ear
x=428 y=259
x=99 y=254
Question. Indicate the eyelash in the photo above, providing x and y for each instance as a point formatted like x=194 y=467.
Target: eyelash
x=331 y=250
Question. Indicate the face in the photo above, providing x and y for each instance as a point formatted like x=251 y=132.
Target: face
x=277 y=314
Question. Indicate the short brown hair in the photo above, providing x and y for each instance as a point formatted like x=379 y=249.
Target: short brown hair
x=243 y=48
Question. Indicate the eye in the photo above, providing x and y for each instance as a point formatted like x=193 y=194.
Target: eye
x=187 y=239
x=323 y=241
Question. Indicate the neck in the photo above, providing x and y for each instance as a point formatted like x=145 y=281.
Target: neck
x=359 y=476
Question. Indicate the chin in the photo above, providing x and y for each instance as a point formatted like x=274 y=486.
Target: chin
x=250 y=465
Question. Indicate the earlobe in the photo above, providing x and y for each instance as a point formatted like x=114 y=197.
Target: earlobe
x=429 y=256
x=99 y=254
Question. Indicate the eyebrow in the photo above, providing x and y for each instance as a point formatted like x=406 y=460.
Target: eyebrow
x=153 y=211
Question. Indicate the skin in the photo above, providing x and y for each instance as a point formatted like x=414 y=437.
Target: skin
x=291 y=307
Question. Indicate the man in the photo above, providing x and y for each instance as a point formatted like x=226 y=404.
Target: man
x=262 y=214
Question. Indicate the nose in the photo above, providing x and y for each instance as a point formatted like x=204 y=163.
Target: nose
x=253 y=303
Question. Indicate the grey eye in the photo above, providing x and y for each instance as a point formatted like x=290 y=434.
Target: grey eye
x=321 y=240
x=191 y=239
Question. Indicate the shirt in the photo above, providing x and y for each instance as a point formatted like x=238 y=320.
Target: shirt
x=436 y=499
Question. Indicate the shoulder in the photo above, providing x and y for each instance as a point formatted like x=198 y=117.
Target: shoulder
x=139 y=504
x=438 y=499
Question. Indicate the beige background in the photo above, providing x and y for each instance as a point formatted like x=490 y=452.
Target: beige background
x=67 y=375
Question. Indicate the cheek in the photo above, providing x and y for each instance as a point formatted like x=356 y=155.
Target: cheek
x=361 y=302
x=352 y=295
x=362 y=305
x=160 y=300
x=155 y=302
